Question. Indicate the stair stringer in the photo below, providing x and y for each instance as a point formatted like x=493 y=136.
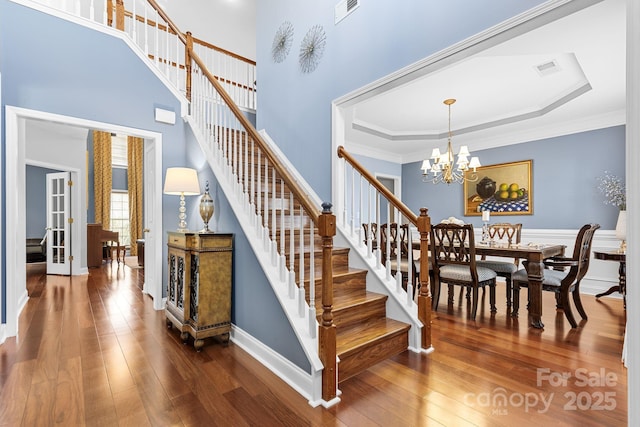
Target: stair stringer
x=399 y=305
x=307 y=384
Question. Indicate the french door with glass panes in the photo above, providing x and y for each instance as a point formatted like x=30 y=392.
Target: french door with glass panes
x=58 y=227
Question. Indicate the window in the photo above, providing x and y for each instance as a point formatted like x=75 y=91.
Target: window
x=120 y=216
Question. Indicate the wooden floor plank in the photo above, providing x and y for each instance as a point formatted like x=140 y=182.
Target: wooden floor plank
x=94 y=351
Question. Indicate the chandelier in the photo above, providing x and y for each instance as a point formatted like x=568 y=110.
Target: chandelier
x=444 y=169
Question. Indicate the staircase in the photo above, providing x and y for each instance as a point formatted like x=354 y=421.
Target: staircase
x=335 y=320
x=364 y=333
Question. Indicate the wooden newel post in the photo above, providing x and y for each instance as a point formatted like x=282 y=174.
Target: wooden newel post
x=120 y=15
x=424 y=297
x=327 y=335
x=187 y=63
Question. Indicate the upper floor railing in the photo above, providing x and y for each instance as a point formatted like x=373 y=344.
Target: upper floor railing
x=148 y=27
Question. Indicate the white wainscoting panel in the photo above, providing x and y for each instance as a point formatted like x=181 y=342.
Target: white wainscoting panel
x=601 y=275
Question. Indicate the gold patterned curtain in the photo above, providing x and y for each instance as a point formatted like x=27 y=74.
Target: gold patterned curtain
x=134 y=186
x=102 y=177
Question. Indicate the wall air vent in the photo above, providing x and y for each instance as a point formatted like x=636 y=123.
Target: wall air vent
x=547 y=68
x=344 y=8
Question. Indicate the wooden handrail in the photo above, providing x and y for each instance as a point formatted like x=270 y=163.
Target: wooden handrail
x=412 y=217
x=168 y=20
x=307 y=203
x=423 y=224
x=305 y=200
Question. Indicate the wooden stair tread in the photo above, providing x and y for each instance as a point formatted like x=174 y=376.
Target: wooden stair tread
x=353 y=297
x=339 y=271
x=356 y=336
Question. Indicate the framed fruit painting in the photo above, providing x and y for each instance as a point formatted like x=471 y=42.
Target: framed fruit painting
x=502 y=189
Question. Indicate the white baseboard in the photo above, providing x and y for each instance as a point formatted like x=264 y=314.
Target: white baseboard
x=307 y=384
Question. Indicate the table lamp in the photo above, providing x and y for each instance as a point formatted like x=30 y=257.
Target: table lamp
x=182 y=182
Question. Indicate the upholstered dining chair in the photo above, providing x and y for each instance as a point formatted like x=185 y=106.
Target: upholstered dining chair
x=560 y=280
x=453 y=258
x=373 y=229
x=504 y=233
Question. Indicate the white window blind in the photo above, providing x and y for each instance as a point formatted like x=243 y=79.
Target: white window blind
x=119 y=151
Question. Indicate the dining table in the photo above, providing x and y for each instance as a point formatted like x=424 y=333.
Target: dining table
x=534 y=254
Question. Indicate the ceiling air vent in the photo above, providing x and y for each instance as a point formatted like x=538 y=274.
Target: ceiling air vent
x=547 y=68
x=344 y=8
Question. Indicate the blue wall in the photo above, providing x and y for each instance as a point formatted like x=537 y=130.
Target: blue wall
x=67 y=69
x=565 y=171
x=255 y=308
x=51 y=65
x=378 y=38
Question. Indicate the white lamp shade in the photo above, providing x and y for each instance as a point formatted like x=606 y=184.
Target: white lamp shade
x=486 y=216
x=181 y=181
x=425 y=165
x=435 y=153
x=474 y=163
x=464 y=151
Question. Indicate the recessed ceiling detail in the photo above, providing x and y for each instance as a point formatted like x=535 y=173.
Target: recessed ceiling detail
x=565 y=76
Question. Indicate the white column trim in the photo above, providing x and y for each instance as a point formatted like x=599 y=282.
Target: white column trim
x=632 y=338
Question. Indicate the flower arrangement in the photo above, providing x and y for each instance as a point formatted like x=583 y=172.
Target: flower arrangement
x=613 y=190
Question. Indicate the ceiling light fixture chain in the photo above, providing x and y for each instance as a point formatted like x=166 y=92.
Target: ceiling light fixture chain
x=444 y=169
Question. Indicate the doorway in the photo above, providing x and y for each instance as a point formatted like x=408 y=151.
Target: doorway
x=17 y=121
x=392 y=183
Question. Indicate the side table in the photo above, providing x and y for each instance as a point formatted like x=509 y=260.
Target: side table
x=621 y=257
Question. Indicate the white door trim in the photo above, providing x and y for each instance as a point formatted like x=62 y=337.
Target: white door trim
x=15 y=138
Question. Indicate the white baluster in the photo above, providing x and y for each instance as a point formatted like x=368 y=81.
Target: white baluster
x=134 y=24
x=292 y=248
x=410 y=278
x=312 y=282
x=399 y=256
x=146 y=32
x=258 y=193
x=156 y=54
x=378 y=230
x=353 y=201
x=387 y=261
x=266 y=203
x=301 y=291
x=274 y=248
x=283 y=260
x=362 y=216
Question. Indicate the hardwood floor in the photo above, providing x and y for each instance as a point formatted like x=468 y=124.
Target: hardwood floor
x=93 y=351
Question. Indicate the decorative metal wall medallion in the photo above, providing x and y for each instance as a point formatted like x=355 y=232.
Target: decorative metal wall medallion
x=282 y=42
x=312 y=48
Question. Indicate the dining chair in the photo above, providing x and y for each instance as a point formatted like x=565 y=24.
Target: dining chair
x=557 y=279
x=374 y=230
x=397 y=238
x=454 y=263
x=504 y=232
